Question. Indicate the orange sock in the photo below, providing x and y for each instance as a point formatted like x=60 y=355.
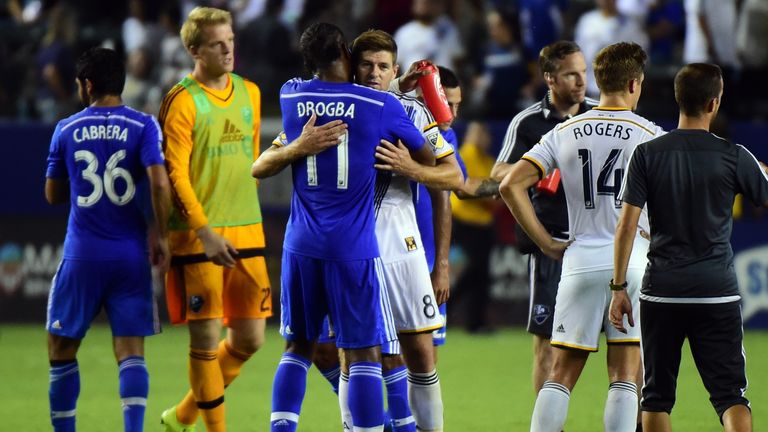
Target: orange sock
x=230 y=361
x=208 y=388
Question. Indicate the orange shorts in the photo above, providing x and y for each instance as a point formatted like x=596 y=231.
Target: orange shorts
x=206 y=290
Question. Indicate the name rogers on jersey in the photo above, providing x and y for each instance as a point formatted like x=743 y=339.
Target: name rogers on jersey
x=332 y=109
x=109 y=132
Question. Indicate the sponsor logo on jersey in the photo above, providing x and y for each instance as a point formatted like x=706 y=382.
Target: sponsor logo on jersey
x=281 y=422
x=410 y=244
x=231 y=133
x=560 y=329
x=196 y=303
x=56 y=325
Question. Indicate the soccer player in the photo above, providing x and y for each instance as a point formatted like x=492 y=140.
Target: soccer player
x=414 y=298
x=101 y=160
x=564 y=69
x=331 y=262
x=591 y=150
x=689 y=289
x=211 y=123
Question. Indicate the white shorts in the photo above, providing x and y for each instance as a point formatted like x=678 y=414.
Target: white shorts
x=581 y=310
x=411 y=297
x=397 y=232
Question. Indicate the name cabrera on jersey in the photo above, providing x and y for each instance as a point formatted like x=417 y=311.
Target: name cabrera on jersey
x=592 y=151
x=332 y=212
x=104 y=152
x=396 y=226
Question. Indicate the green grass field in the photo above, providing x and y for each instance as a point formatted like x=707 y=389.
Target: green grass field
x=485 y=381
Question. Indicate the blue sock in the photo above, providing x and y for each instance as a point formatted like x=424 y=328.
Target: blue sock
x=63 y=390
x=288 y=392
x=366 y=401
x=134 y=388
x=332 y=375
x=397 y=400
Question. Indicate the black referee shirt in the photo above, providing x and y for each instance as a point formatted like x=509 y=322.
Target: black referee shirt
x=689 y=179
x=525 y=130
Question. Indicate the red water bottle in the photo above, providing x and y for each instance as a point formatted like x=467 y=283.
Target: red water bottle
x=434 y=96
x=550 y=183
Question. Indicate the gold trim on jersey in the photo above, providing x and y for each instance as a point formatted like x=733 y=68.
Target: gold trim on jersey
x=429 y=126
x=536 y=163
x=423 y=330
x=573 y=346
x=613 y=119
x=623 y=341
x=445 y=154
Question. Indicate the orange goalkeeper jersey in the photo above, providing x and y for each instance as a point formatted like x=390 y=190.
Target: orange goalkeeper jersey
x=210 y=139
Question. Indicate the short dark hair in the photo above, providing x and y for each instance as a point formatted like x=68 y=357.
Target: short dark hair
x=695 y=85
x=618 y=64
x=321 y=45
x=373 y=40
x=448 y=78
x=552 y=53
x=104 y=68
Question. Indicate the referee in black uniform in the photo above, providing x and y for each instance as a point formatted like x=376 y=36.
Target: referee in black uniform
x=564 y=69
x=689 y=179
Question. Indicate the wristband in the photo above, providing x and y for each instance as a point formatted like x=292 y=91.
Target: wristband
x=615 y=287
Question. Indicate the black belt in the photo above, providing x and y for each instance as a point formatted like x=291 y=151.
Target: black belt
x=180 y=260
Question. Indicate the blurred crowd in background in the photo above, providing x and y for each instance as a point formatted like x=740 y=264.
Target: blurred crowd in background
x=493 y=45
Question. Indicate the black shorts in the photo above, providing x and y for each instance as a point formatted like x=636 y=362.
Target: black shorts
x=543 y=276
x=714 y=333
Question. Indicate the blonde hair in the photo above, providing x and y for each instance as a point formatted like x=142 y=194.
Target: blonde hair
x=199 y=17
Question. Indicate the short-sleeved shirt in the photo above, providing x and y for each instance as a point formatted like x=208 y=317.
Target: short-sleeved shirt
x=689 y=179
x=592 y=151
x=104 y=151
x=523 y=132
x=332 y=208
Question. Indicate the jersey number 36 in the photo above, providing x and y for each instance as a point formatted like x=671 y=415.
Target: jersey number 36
x=111 y=173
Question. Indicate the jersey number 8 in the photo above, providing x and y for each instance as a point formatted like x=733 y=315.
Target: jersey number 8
x=111 y=173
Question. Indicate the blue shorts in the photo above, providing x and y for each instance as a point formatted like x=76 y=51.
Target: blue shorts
x=348 y=292
x=81 y=288
x=439 y=335
x=327 y=334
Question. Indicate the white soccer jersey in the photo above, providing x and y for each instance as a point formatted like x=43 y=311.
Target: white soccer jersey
x=592 y=151
x=400 y=238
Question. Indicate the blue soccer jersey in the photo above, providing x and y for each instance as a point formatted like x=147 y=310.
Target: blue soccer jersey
x=332 y=208
x=104 y=151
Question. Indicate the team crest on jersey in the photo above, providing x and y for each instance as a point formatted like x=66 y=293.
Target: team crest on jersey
x=410 y=244
x=435 y=139
x=196 y=303
x=540 y=313
x=247 y=115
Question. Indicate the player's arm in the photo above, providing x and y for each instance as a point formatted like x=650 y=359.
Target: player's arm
x=626 y=230
x=514 y=191
x=313 y=140
x=445 y=174
x=56 y=176
x=442 y=224
x=160 y=191
x=56 y=190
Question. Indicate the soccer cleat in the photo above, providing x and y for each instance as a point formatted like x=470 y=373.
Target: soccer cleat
x=168 y=419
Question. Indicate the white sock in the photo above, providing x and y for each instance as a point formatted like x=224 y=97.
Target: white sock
x=551 y=408
x=621 y=407
x=426 y=401
x=346 y=414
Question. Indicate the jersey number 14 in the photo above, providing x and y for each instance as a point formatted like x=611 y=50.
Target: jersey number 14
x=606 y=172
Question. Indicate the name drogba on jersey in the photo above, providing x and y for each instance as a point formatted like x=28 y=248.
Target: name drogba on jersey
x=332 y=109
